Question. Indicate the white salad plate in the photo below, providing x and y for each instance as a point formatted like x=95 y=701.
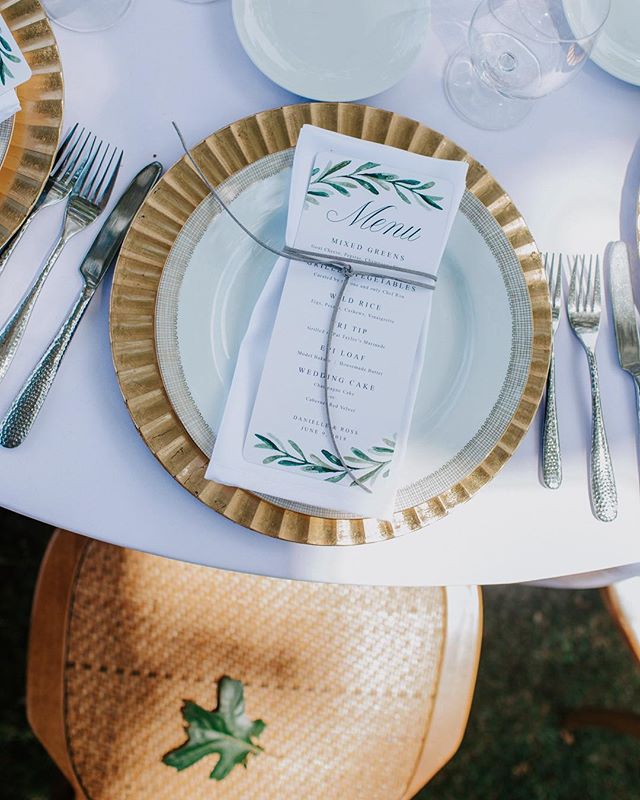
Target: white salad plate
x=332 y=49
x=479 y=345
x=617 y=49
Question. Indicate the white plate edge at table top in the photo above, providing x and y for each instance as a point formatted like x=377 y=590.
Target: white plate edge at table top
x=323 y=89
x=169 y=355
x=603 y=53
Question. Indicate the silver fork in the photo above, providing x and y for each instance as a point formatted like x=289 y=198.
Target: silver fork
x=583 y=307
x=66 y=169
x=551 y=457
x=87 y=201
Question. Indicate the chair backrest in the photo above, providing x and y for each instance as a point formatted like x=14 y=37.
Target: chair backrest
x=366 y=691
x=623 y=601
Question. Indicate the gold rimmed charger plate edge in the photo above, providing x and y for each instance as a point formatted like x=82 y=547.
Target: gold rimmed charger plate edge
x=147 y=248
x=36 y=128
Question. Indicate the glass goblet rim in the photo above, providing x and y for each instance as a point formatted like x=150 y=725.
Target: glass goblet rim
x=537 y=34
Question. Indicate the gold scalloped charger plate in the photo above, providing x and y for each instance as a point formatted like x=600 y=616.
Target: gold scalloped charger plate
x=28 y=142
x=175 y=220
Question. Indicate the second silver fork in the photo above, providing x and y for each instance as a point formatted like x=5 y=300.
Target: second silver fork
x=584 y=307
x=88 y=199
x=66 y=169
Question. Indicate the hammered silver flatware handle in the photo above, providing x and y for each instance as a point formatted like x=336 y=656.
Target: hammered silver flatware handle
x=14 y=328
x=551 y=458
x=24 y=410
x=636 y=379
x=10 y=246
x=604 y=495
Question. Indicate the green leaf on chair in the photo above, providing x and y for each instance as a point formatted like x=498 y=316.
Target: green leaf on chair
x=227 y=731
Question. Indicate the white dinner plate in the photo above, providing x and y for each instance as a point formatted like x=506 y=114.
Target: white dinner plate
x=479 y=346
x=332 y=49
x=617 y=49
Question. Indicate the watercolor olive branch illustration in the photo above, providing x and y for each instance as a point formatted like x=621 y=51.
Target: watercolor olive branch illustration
x=6 y=54
x=374 y=462
x=336 y=178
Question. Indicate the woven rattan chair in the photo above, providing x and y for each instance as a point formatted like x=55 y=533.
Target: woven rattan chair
x=365 y=691
x=622 y=599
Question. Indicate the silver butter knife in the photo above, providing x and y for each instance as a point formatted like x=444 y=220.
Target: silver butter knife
x=624 y=313
x=24 y=410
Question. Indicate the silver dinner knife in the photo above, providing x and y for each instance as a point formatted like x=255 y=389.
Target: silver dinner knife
x=24 y=410
x=624 y=313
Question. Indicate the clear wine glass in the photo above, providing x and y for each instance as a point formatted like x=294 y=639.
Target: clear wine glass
x=518 y=51
x=86 y=15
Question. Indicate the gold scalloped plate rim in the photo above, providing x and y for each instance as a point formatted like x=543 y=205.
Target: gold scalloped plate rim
x=147 y=248
x=35 y=135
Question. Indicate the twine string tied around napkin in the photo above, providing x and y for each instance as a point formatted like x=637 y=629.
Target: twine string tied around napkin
x=349 y=268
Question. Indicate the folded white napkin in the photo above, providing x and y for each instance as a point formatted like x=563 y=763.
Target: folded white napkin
x=9 y=105
x=228 y=465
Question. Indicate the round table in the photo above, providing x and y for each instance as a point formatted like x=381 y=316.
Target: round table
x=573 y=168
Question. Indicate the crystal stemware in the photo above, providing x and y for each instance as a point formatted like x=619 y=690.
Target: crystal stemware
x=518 y=51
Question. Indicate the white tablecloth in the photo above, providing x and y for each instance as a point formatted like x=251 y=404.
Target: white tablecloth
x=572 y=169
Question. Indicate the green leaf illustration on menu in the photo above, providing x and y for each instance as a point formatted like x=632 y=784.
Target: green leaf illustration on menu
x=6 y=54
x=227 y=731
x=370 y=464
x=342 y=179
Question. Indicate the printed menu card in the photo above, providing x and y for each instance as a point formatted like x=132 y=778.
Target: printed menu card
x=14 y=71
x=388 y=214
